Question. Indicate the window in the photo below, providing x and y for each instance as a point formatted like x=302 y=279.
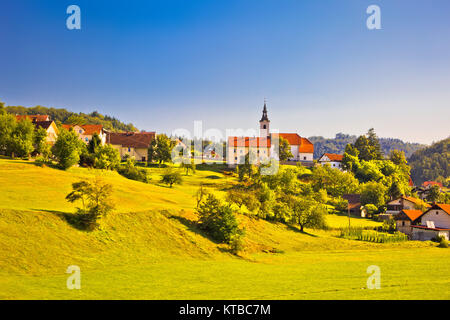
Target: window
x=80 y=131
x=235 y=158
x=437 y=212
x=87 y=139
x=304 y=158
x=143 y=158
x=403 y=223
x=264 y=127
x=129 y=149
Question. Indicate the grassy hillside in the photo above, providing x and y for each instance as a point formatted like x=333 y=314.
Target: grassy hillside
x=150 y=248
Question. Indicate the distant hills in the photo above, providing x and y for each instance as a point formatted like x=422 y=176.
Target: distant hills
x=337 y=145
x=64 y=116
x=431 y=163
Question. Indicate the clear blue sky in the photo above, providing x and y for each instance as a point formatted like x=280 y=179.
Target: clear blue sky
x=163 y=64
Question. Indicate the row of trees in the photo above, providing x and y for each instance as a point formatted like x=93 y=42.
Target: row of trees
x=20 y=138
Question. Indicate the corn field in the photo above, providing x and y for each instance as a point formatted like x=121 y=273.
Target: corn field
x=372 y=235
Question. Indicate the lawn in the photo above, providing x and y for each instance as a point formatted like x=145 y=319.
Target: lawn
x=150 y=248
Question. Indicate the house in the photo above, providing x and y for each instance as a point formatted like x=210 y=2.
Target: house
x=430 y=184
x=131 y=144
x=434 y=222
x=262 y=148
x=331 y=159
x=354 y=204
x=404 y=203
x=406 y=219
x=42 y=121
x=86 y=131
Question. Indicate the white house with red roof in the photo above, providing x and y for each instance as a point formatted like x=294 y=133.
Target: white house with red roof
x=433 y=223
x=331 y=159
x=86 y=131
x=262 y=148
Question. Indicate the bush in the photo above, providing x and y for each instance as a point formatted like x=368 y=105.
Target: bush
x=106 y=157
x=130 y=171
x=219 y=220
x=443 y=243
x=68 y=148
x=236 y=244
x=171 y=177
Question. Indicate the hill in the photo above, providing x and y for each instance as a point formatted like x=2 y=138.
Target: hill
x=431 y=163
x=150 y=247
x=63 y=116
x=337 y=145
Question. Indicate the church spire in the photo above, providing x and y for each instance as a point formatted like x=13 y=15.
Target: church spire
x=264 y=115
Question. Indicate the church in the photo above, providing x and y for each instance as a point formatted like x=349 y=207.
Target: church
x=261 y=148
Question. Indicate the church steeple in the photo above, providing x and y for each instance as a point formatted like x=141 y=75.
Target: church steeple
x=264 y=130
x=264 y=115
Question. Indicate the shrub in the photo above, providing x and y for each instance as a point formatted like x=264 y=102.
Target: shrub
x=443 y=243
x=130 y=171
x=218 y=219
x=106 y=157
x=68 y=148
x=171 y=177
x=95 y=197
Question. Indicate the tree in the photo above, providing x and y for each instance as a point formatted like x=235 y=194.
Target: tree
x=395 y=191
x=40 y=143
x=106 y=157
x=7 y=126
x=374 y=142
x=285 y=150
x=189 y=166
x=200 y=195
x=130 y=171
x=67 y=148
x=369 y=146
x=21 y=141
x=350 y=160
x=171 y=177
x=76 y=120
x=308 y=214
x=374 y=193
x=94 y=143
x=218 y=219
x=434 y=194
x=160 y=149
x=243 y=197
x=96 y=200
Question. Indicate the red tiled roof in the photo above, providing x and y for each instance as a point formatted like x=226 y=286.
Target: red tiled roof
x=248 y=141
x=89 y=129
x=412 y=214
x=33 y=118
x=304 y=145
x=333 y=156
x=131 y=139
x=432 y=183
x=445 y=207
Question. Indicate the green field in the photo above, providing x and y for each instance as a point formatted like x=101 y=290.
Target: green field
x=150 y=248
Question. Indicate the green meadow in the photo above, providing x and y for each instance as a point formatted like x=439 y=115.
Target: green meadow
x=150 y=247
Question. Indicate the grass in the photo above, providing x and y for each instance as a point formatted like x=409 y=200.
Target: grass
x=150 y=248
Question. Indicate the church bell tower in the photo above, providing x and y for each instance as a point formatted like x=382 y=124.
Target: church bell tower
x=264 y=124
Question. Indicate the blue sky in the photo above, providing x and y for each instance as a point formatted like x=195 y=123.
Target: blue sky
x=163 y=64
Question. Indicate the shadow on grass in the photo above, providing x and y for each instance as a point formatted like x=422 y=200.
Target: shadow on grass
x=296 y=229
x=192 y=226
x=73 y=219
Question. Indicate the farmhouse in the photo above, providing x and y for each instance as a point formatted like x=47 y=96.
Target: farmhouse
x=354 y=204
x=262 y=148
x=406 y=219
x=433 y=223
x=86 y=131
x=42 y=121
x=131 y=144
x=331 y=159
x=403 y=203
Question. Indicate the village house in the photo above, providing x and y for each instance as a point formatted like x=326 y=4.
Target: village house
x=435 y=222
x=261 y=148
x=354 y=205
x=131 y=144
x=86 y=131
x=331 y=159
x=42 y=121
x=406 y=219
x=404 y=203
